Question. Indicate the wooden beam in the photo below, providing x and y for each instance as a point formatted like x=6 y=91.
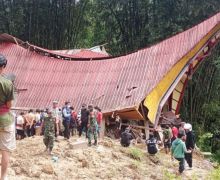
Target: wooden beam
x=22 y=108
x=135 y=126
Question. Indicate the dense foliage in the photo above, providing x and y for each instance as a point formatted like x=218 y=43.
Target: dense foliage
x=125 y=25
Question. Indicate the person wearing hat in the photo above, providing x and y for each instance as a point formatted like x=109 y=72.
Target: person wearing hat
x=7 y=129
x=190 y=143
x=49 y=124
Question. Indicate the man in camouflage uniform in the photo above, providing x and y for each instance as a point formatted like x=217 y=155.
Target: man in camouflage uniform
x=49 y=125
x=92 y=125
x=7 y=129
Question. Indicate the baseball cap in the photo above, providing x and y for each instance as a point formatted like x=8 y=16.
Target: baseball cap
x=188 y=126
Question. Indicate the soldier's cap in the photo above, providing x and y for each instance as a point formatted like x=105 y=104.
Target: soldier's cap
x=55 y=102
x=90 y=105
x=83 y=105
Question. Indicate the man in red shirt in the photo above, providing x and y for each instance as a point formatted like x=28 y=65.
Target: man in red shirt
x=175 y=132
x=73 y=122
x=99 y=119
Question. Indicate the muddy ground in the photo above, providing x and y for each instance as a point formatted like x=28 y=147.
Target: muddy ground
x=106 y=161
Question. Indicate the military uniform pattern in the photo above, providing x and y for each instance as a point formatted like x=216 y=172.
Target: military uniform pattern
x=92 y=130
x=49 y=132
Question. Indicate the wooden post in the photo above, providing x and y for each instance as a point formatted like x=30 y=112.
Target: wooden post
x=146 y=123
x=147 y=129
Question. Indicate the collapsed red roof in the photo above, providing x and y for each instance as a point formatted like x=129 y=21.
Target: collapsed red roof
x=111 y=83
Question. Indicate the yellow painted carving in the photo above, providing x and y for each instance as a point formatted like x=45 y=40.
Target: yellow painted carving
x=153 y=99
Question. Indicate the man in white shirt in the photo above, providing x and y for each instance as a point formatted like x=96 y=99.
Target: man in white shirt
x=37 y=123
x=20 y=126
x=57 y=115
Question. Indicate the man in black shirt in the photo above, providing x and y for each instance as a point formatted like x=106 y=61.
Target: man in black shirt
x=190 y=143
x=126 y=137
x=152 y=145
x=84 y=120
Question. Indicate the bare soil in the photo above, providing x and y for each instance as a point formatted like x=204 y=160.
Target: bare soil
x=108 y=160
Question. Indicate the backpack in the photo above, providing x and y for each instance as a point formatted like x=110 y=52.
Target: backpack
x=166 y=134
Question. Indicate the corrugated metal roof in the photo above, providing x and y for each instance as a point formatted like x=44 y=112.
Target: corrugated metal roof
x=96 y=51
x=112 y=83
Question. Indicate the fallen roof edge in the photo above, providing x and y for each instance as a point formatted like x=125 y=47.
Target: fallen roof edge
x=9 y=38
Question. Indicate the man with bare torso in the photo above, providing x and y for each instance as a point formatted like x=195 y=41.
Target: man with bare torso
x=30 y=120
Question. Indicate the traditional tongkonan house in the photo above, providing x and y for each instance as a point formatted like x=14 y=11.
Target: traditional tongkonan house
x=136 y=85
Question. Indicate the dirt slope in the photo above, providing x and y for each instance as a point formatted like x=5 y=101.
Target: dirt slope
x=106 y=161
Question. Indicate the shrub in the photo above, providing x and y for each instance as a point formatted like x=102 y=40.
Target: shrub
x=205 y=142
x=136 y=153
x=216 y=156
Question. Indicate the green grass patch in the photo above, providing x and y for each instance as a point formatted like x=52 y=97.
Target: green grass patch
x=215 y=174
x=170 y=176
x=135 y=153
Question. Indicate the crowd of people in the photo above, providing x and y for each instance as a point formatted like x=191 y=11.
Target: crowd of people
x=53 y=122
x=179 y=141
